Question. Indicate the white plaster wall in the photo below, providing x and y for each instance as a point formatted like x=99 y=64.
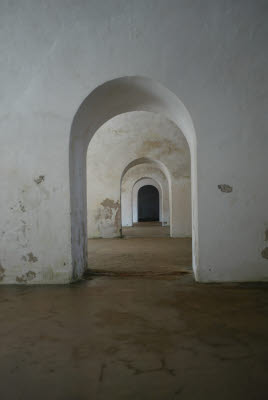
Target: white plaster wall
x=211 y=54
x=181 y=207
x=121 y=140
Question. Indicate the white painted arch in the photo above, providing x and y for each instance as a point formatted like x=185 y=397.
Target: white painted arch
x=178 y=196
x=112 y=98
x=144 y=168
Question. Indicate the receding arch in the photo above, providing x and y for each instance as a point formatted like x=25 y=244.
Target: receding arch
x=112 y=98
x=146 y=160
x=143 y=181
x=160 y=166
x=148 y=203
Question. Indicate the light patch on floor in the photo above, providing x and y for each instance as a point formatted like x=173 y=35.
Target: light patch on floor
x=145 y=250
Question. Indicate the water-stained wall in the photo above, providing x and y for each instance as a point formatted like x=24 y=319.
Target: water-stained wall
x=212 y=55
x=121 y=140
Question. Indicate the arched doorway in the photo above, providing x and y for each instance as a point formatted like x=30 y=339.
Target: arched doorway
x=140 y=172
x=163 y=198
x=116 y=97
x=148 y=204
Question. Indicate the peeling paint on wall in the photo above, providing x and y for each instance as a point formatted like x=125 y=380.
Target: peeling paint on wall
x=32 y=258
x=25 y=278
x=163 y=146
x=225 y=188
x=40 y=179
x=264 y=253
x=109 y=205
x=108 y=218
x=22 y=207
x=2 y=273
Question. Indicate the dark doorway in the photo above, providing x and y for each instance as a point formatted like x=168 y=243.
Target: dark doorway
x=148 y=204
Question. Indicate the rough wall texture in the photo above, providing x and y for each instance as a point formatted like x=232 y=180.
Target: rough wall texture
x=212 y=54
x=123 y=139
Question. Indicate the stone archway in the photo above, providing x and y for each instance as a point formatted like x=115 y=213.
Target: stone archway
x=106 y=101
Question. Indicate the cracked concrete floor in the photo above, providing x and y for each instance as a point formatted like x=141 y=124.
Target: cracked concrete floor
x=162 y=337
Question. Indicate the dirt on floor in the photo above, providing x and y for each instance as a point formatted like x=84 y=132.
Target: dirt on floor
x=146 y=229
x=136 y=338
